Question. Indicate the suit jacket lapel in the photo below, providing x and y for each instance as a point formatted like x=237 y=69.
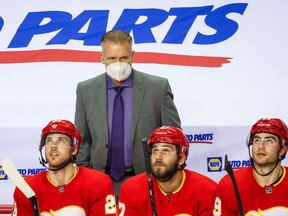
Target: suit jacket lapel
x=137 y=98
x=101 y=103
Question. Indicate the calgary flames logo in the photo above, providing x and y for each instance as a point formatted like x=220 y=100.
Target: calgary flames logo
x=68 y=210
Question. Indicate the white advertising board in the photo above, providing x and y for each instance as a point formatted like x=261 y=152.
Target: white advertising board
x=225 y=61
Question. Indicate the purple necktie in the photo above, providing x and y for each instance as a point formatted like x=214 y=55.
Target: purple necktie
x=117 y=166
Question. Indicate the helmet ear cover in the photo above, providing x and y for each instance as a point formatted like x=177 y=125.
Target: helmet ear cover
x=64 y=127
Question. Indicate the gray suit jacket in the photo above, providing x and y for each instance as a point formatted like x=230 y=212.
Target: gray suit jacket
x=153 y=107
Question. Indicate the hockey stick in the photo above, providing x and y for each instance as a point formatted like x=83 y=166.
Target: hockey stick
x=19 y=182
x=229 y=170
x=149 y=176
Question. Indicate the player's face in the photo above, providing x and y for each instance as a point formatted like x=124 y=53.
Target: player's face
x=266 y=149
x=58 y=149
x=116 y=52
x=164 y=160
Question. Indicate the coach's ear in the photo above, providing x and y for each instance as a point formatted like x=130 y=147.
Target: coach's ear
x=102 y=58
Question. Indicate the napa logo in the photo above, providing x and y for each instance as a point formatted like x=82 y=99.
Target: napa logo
x=3 y=175
x=214 y=164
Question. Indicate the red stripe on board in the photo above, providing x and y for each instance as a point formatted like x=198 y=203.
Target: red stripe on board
x=200 y=142
x=49 y=56
x=6 y=208
x=184 y=60
x=58 y=55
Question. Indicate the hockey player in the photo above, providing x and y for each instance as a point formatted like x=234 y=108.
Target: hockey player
x=263 y=187
x=177 y=191
x=65 y=189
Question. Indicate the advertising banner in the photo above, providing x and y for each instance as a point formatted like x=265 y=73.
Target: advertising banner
x=225 y=61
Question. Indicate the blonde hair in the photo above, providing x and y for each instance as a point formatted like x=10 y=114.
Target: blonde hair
x=117 y=36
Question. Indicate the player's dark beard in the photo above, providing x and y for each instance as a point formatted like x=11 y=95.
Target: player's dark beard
x=168 y=174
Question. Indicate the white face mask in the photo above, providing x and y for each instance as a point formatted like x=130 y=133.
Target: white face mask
x=119 y=71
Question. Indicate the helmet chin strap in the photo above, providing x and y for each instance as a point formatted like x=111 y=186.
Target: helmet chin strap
x=43 y=162
x=265 y=174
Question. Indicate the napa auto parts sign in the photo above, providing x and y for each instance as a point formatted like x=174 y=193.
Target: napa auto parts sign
x=226 y=62
x=48 y=35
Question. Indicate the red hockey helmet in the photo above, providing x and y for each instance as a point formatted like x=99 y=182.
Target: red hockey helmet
x=172 y=135
x=64 y=127
x=269 y=125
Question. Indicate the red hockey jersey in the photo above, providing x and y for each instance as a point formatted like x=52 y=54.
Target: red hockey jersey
x=90 y=192
x=195 y=197
x=256 y=199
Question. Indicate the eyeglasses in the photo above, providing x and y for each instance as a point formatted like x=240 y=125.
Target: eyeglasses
x=163 y=151
x=266 y=141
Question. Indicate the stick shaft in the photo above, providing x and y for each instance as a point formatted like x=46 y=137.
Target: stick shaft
x=149 y=176
x=229 y=170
